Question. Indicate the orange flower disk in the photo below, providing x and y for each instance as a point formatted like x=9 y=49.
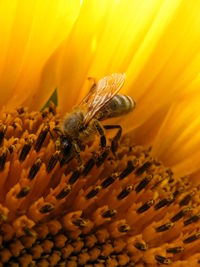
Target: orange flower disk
x=118 y=211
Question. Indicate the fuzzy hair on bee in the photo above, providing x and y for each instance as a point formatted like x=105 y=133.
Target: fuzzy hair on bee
x=102 y=102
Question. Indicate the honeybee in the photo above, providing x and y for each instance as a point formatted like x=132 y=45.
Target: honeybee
x=82 y=124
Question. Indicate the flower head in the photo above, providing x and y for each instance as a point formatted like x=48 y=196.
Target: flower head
x=136 y=205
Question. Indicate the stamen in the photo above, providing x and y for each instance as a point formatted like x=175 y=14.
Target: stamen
x=74 y=177
x=3 y=156
x=48 y=207
x=192 y=219
x=143 y=183
x=164 y=227
x=34 y=169
x=41 y=137
x=93 y=192
x=52 y=162
x=80 y=222
x=109 y=213
x=185 y=201
x=146 y=206
x=180 y=214
x=25 y=150
x=24 y=192
x=143 y=168
x=163 y=202
x=141 y=246
x=125 y=192
x=3 y=129
x=129 y=169
x=64 y=192
x=124 y=228
x=108 y=181
x=175 y=250
x=88 y=166
x=162 y=260
x=192 y=238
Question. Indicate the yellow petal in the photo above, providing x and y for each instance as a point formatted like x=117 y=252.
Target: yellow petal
x=178 y=139
x=77 y=51
x=33 y=30
x=167 y=60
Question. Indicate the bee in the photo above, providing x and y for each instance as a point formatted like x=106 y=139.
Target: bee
x=80 y=126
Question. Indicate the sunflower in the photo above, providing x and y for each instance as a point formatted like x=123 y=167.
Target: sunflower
x=138 y=206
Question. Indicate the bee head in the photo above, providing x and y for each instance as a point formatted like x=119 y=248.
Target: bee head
x=66 y=145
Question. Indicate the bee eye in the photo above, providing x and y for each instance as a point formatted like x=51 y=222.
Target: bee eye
x=66 y=146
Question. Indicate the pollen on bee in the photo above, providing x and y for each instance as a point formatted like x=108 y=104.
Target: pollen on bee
x=120 y=209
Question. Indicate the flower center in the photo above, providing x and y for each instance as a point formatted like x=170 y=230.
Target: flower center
x=125 y=209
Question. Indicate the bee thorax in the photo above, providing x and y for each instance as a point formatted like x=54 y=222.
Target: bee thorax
x=72 y=123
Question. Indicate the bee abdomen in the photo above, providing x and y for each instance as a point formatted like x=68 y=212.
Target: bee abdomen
x=117 y=106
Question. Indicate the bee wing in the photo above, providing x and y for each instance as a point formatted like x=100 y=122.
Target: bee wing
x=85 y=100
x=101 y=93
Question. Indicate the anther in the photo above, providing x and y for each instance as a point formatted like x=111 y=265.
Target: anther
x=34 y=169
x=185 y=201
x=143 y=183
x=93 y=192
x=11 y=148
x=125 y=192
x=75 y=175
x=109 y=180
x=178 y=192
x=164 y=227
x=192 y=219
x=146 y=206
x=48 y=207
x=192 y=238
x=23 y=192
x=124 y=228
x=102 y=157
x=141 y=246
x=3 y=156
x=41 y=137
x=88 y=166
x=29 y=232
x=3 y=129
x=25 y=150
x=175 y=250
x=20 y=110
x=143 y=168
x=162 y=260
x=180 y=214
x=80 y=222
x=52 y=162
x=162 y=203
x=64 y=192
x=109 y=213
x=130 y=168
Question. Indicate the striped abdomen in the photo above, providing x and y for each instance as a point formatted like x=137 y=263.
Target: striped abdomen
x=117 y=106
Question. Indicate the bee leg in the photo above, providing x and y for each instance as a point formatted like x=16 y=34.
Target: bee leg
x=76 y=150
x=116 y=138
x=55 y=140
x=101 y=133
